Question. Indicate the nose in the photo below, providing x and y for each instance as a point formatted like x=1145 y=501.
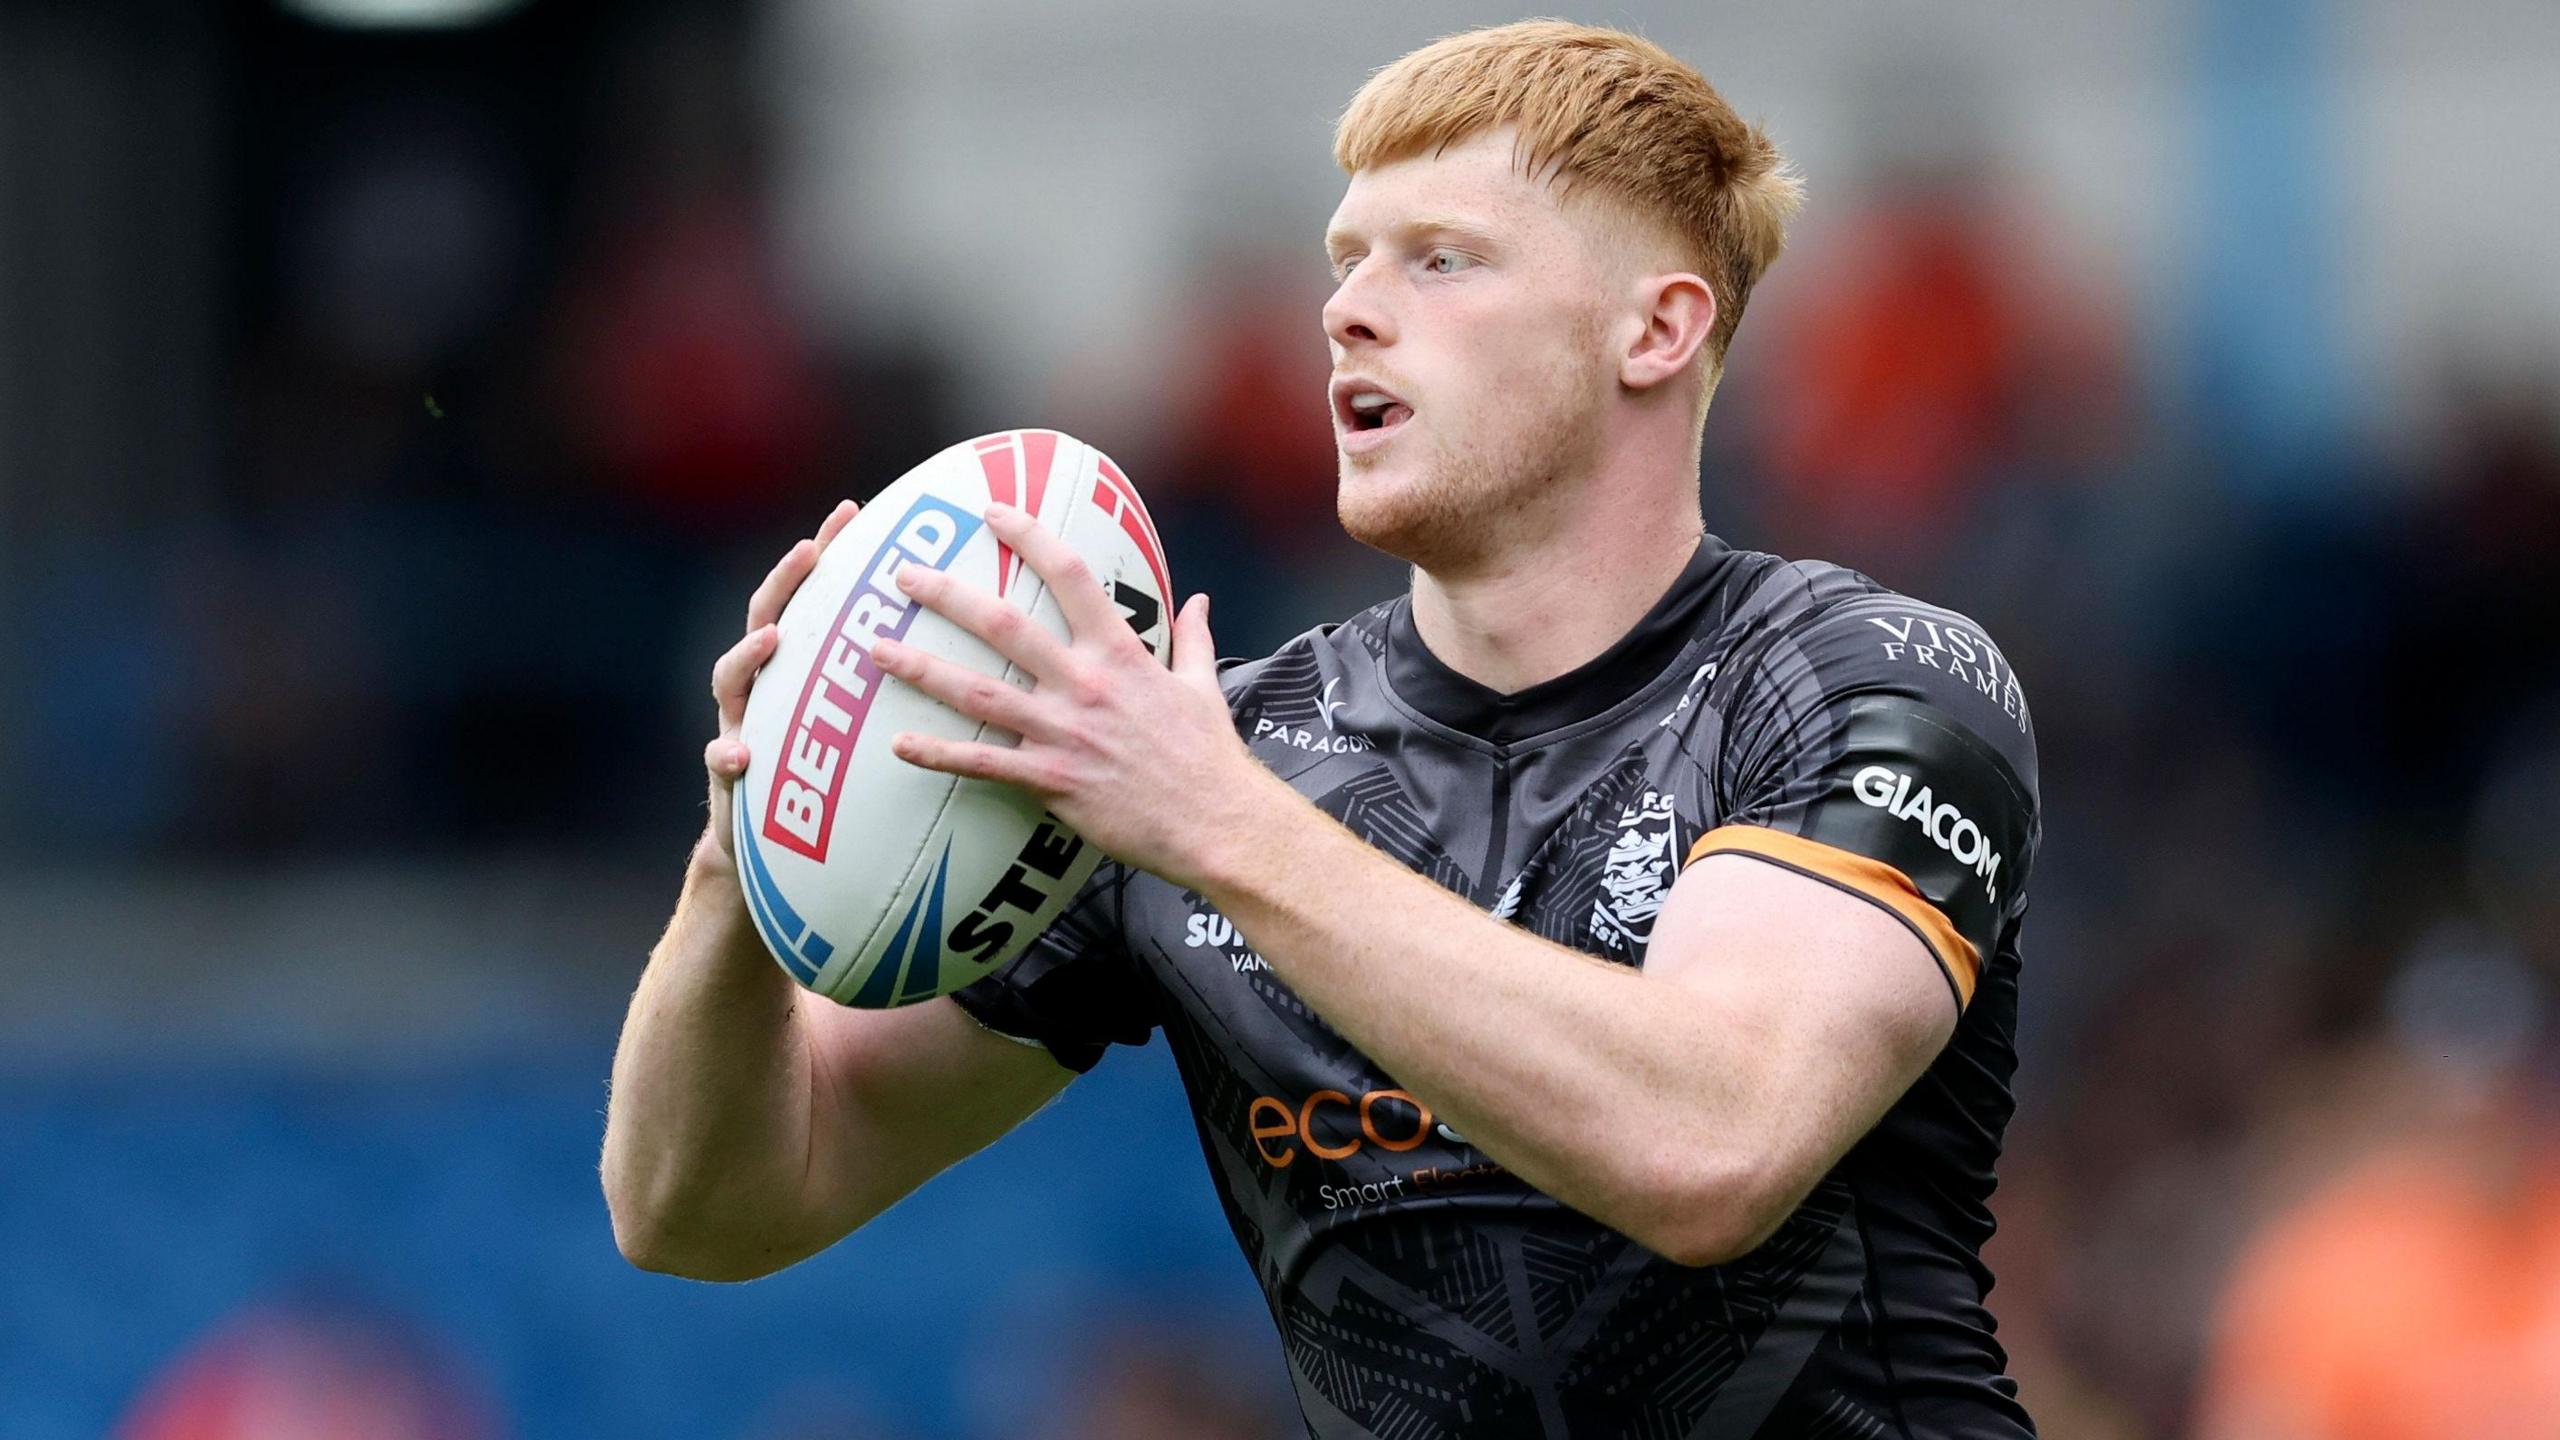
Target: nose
x=1357 y=313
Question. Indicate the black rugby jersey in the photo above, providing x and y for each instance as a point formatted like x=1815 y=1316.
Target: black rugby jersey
x=1797 y=712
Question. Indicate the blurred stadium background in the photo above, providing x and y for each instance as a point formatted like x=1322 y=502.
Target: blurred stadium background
x=393 y=419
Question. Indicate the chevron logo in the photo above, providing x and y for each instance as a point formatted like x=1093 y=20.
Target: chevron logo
x=911 y=968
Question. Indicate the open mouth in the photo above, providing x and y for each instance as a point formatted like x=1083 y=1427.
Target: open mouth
x=1376 y=410
x=1359 y=406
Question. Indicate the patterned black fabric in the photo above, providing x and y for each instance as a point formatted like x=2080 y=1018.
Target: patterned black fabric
x=1421 y=1291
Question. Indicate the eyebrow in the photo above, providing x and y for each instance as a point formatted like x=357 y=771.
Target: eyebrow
x=1336 y=239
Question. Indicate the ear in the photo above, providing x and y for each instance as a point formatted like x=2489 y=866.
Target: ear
x=1679 y=312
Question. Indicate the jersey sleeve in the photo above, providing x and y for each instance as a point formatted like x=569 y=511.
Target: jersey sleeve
x=1076 y=991
x=1885 y=748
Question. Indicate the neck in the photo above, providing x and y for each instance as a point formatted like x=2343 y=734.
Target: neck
x=1555 y=600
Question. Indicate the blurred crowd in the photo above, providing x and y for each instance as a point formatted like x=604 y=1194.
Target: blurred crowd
x=322 y=1369
x=512 y=403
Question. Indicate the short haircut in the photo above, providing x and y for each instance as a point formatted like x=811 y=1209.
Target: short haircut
x=1601 y=108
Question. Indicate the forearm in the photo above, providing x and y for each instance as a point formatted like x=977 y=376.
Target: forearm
x=1598 y=1086
x=1690 y=1107
x=708 y=1130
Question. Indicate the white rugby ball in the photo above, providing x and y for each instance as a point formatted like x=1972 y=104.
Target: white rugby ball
x=875 y=882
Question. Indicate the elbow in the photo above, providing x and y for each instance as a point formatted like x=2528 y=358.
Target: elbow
x=646 y=1244
x=658 y=1237
x=1697 y=1246
x=642 y=1232
x=644 y=1248
x=1699 y=1212
x=667 y=1250
x=659 y=1258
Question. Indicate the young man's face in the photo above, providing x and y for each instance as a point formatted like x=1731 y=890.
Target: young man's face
x=1483 y=304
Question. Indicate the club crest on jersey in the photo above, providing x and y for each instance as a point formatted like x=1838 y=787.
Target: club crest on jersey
x=1638 y=871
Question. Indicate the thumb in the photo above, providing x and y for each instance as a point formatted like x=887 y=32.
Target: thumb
x=1195 y=653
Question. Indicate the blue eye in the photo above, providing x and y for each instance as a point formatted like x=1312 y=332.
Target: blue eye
x=1445 y=262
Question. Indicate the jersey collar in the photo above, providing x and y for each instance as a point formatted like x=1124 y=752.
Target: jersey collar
x=1638 y=657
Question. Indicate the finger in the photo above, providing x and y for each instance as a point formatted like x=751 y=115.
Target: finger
x=974 y=760
x=726 y=759
x=1015 y=636
x=837 y=519
x=1090 y=613
x=1195 y=653
x=974 y=694
x=735 y=671
x=765 y=606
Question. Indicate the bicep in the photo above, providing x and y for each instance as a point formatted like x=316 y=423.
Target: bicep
x=1835 y=1005
x=897 y=1096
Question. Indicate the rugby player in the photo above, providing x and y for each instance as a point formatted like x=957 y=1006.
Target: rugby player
x=1594 y=972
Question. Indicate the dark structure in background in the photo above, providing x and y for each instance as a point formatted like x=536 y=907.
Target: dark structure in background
x=387 y=407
